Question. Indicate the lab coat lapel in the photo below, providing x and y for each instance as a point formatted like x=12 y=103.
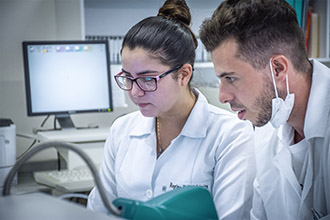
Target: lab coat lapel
x=308 y=181
x=283 y=161
x=146 y=128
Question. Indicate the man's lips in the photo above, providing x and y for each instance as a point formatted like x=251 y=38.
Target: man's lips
x=240 y=112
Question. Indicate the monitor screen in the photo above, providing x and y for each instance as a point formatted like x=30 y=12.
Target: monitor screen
x=67 y=77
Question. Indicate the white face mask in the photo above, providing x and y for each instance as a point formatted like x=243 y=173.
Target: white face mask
x=281 y=109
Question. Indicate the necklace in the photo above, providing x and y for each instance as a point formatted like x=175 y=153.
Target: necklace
x=159 y=148
x=159 y=144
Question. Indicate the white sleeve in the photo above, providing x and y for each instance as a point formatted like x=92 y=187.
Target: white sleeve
x=107 y=177
x=234 y=173
x=258 y=210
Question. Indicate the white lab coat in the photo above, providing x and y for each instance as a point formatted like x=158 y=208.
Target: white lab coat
x=214 y=150
x=277 y=192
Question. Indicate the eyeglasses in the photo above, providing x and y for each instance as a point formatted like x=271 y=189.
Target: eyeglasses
x=145 y=83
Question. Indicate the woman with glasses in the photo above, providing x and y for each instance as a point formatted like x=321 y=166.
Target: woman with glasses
x=176 y=138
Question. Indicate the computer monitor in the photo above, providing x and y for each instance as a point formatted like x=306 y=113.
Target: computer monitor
x=67 y=77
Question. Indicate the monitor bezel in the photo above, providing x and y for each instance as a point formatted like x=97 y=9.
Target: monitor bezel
x=25 y=45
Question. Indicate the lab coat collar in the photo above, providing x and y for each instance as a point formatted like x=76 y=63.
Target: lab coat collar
x=283 y=160
x=194 y=127
x=195 y=124
x=285 y=134
x=146 y=127
x=318 y=106
x=318 y=109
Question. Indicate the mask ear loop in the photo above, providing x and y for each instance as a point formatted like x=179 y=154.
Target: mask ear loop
x=287 y=84
x=271 y=69
x=286 y=76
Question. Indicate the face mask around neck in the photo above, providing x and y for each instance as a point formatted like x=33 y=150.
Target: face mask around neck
x=281 y=109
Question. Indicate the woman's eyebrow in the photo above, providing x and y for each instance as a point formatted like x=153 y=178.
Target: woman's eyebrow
x=141 y=73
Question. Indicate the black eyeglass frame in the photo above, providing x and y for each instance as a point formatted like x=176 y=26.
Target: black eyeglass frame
x=132 y=80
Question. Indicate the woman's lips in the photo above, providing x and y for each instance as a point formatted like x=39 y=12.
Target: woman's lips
x=142 y=105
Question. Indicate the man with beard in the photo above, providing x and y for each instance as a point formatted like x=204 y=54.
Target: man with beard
x=259 y=54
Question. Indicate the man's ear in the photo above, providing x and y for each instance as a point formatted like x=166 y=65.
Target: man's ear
x=185 y=74
x=280 y=66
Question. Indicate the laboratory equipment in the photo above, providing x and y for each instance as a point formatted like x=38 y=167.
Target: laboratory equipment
x=185 y=203
x=189 y=202
x=7 y=148
x=67 y=77
x=40 y=206
x=58 y=145
x=90 y=140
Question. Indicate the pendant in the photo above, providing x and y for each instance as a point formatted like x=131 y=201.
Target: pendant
x=160 y=152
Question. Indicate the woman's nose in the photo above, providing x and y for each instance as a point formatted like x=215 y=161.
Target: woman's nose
x=136 y=90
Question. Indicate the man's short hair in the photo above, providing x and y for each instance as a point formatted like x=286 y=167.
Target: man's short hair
x=261 y=28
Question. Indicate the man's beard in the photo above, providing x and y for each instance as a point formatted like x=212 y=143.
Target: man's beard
x=264 y=102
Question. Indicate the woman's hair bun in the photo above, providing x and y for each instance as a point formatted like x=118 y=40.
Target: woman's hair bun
x=176 y=10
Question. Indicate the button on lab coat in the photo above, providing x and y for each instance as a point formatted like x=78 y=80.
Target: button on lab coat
x=278 y=194
x=214 y=150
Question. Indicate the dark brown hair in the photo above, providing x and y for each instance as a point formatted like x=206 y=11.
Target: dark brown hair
x=261 y=28
x=167 y=35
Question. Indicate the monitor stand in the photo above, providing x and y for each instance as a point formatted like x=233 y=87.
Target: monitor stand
x=65 y=121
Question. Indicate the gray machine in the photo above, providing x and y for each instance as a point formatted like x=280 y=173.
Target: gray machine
x=7 y=148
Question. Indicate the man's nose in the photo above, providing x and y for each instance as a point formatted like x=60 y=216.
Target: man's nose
x=225 y=95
